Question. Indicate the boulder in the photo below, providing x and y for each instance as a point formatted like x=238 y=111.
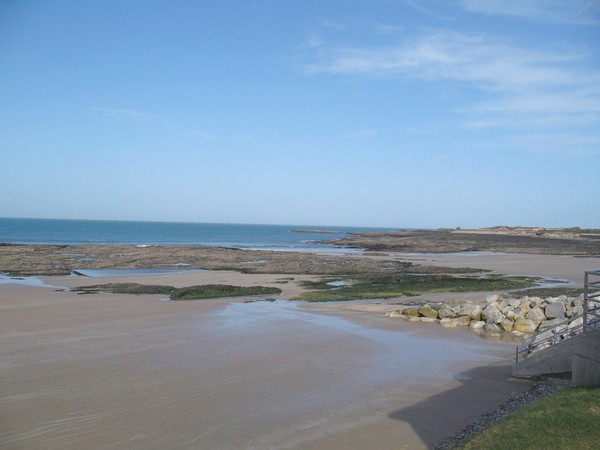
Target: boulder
x=430 y=320
x=455 y=322
x=446 y=311
x=525 y=326
x=491 y=328
x=462 y=321
x=507 y=325
x=454 y=302
x=471 y=310
x=576 y=322
x=448 y=323
x=501 y=304
x=411 y=311
x=414 y=318
x=427 y=311
x=535 y=301
x=491 y=314
x=476 y=325
x=514 y=303
x=569 y=311
x=525 y=306
x=555 y=311
x=519 y=313
x=536 y=314
x=493 y=298
x=397 y=313
x=547 y=324
x=562 y=298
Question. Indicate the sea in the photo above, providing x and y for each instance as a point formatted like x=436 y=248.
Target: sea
x=110 y=232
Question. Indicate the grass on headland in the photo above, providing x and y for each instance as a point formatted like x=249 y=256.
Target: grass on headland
x=409 y=285
x=204 y=291
x=568 y=420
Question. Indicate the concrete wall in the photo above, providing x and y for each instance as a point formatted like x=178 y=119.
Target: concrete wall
x=555 y=359
x=586 y=360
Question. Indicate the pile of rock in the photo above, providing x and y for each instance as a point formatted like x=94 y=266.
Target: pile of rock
x=498 y=315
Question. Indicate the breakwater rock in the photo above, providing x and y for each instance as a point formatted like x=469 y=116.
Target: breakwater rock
x=499 y=316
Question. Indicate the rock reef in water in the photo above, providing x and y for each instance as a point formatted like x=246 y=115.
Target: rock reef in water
x=540 y=241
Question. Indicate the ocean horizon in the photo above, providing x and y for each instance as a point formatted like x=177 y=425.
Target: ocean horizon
x=142 y=233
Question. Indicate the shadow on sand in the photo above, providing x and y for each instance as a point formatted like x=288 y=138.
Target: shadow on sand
x=481 y=390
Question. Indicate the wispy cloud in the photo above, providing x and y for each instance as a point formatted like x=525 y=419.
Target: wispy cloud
x=451 y=55
x=332 y=24
x=576 y=12
x=432 y=9
x=124 y=114
x=514 y=85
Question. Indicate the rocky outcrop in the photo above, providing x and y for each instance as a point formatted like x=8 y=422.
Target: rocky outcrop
x=499 y=315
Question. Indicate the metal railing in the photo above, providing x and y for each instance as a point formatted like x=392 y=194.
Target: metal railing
x=591 y=300
x=549 y=337
x=570 y=327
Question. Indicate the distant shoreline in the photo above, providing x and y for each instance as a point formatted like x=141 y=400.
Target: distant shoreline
x=318 y=230
x=527 y=240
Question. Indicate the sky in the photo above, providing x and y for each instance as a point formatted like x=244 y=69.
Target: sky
x=383 y=113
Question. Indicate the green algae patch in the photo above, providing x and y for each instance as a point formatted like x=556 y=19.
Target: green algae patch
x=204 y=291
x=410 y=285
x=221 y=290
x=125 y=288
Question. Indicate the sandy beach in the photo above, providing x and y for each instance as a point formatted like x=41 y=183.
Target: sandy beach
x=123 y=371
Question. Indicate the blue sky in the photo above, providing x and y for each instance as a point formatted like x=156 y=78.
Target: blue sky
x=394 y=113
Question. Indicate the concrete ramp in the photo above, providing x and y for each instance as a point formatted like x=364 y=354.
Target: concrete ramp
x=551 y=360
x=579 y=355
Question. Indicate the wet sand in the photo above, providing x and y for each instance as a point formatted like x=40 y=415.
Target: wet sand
x=120 y=371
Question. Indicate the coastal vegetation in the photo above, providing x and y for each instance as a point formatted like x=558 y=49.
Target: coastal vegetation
x=567 y=419
x=398 y=285
x=221 y=290
x=125 y=288
x=328 y=289
x=204 y=291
